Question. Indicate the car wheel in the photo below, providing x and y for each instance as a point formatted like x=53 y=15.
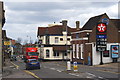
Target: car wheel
x=27 y=68
x=38 y=67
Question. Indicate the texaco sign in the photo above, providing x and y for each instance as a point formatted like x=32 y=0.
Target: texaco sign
x=101 y=37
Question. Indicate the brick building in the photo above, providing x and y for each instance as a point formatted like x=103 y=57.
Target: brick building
x=84 y=41
x=54 y=41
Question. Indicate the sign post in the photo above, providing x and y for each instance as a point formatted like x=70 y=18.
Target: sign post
x=101 y=39
x=114 y=52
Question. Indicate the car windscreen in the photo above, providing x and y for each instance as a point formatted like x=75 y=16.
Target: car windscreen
x=32 y=54
x=32 y=60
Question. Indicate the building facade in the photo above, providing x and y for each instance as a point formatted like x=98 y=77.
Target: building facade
x=84 y=41
x=54 y=42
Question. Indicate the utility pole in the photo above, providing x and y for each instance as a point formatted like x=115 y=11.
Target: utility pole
x=1 y=17
x=1 y=46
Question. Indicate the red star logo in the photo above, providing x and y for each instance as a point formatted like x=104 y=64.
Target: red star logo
x=101 y=27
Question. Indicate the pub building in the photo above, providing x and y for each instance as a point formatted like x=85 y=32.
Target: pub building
x=85 y=47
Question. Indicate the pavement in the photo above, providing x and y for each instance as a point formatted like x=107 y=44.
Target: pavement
x=10 y=71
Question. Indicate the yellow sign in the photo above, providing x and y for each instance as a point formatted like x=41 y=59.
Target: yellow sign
x=6 y=42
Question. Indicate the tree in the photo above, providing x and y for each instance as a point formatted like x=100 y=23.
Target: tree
x=25 y=42
x=19 y=40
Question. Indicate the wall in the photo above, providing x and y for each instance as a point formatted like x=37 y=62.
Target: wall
x=52 y=40
x=96 y=55
x=51 y=57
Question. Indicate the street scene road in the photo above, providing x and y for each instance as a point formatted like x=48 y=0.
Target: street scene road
x=57 y=69
x=59 y=40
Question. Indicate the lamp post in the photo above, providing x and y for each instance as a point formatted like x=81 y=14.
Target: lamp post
x=29 y=40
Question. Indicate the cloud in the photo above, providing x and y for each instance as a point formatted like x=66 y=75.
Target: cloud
x=23 y=18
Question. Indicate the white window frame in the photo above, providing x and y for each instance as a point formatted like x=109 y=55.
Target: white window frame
x=56 y=39
x=81 y=51
x=73 y=50
x=77 y=50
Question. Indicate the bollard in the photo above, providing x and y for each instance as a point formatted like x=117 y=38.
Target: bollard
x=75 y=66
x=68 y=66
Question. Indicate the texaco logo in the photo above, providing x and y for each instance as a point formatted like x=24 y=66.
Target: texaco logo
x=101 y=27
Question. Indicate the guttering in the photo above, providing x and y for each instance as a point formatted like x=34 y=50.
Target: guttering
x=81 y=31
x=85 y=38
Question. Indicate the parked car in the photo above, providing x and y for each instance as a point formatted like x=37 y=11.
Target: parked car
x=13 y=58
x=32 y=64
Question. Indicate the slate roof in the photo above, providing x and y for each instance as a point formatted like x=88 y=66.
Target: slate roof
x=116 y=22
x=54 y=30
x=91 y=23
x=4 y=34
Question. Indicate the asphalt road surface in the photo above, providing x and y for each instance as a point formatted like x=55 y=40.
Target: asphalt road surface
x=54 y=70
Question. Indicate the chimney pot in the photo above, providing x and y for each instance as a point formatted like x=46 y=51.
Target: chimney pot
x=64 y=23
x=77 y=25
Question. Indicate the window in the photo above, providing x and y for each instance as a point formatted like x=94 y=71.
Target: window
x=56 y=39
x=47 y=53
x=56 y=54
x=106 y=53
x=65 y=53
x=77 y=50
x=77 y=35
x=68 y=39
x=32 y=54
x=47 y=39
x=82 y=52
x=61 y=39
x=73 y=50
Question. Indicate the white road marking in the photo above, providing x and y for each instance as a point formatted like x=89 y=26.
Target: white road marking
x=100 y=77
x=73 y=74
x=88 y=77
x=90 y=74
x=52 y=68
x=59 y=71
x=11 y=66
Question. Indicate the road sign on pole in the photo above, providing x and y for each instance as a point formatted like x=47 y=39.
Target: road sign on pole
x=101 y=37
x=6 y=42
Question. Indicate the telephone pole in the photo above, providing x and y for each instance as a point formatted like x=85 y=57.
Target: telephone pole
x=2 y=21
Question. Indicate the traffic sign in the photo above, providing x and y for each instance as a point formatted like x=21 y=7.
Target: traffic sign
x=6 y=42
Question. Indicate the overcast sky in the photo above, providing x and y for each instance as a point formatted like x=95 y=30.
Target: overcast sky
x=25 y=16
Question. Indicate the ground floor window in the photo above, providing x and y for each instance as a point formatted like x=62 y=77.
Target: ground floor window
x=106 y=53
x=47 y=53
x=81 y=47
x=56 y=54
x=73 y=47
x=65 y=53
x=77 y=50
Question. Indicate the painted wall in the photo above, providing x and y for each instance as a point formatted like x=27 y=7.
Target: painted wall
x=52 y=40
x=51 y=57
x=96 y=55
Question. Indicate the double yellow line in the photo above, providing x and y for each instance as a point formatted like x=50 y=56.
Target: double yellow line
x=28 y=72
x=15 y=65
x=32 y=74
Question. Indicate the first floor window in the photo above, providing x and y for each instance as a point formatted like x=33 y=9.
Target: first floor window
x=47 y=53
x=56 y=54
x=56 y=39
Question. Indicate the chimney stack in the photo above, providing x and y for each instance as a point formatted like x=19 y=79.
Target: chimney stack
x=77 y=25
x=64 y=23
